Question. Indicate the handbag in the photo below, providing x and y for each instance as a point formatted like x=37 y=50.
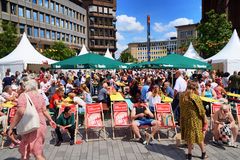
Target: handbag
x=30 y=120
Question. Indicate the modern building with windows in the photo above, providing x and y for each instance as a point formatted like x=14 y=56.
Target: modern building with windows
x=185 y=34
x=101 y=25
x=158 y=49
x=46 y=21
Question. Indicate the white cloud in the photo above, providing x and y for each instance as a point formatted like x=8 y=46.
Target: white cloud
x=180 y=21
x=119 y=36
x=158 y=27
x=126 y=23
x=170 y=34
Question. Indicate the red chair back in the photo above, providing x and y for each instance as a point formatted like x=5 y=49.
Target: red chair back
x=215 y=107
x=120 y=114
x=93 y=115
x=163 y=113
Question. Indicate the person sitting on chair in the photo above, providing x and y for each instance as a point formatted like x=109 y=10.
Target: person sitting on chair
x=141 y=115
x=223 y=120
x=65 y=122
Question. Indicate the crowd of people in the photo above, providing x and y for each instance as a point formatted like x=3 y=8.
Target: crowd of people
x=145 y=88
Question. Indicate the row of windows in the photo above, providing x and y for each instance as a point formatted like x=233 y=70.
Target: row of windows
x=42 y=17
x=102 y=21
x=186 y=33
x=152 y=57
x=43 y=33
x=102 y=42
x=159 y=52
x=152 y=48
x=102 y=10
x=54 y=6
x=102 y=32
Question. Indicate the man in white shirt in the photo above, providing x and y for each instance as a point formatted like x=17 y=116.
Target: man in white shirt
x=180 y=86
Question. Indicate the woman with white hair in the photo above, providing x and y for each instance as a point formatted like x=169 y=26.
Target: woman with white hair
x=224 y=121
x=33 y=142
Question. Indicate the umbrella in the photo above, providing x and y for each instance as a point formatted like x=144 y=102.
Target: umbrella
x=89 y=61
x=181 y=62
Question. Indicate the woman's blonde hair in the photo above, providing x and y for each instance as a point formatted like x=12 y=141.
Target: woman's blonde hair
x=60 y=89
x=155 y=91
x=85 y=88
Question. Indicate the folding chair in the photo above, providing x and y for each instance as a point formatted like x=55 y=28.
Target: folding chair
x=164 y=114
x=214 y=108
x=74 y=110
x=94 y=119
x=120 y=116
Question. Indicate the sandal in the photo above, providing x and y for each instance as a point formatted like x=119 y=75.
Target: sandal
x=204 y=155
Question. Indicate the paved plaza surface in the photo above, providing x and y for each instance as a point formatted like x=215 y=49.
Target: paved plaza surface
x=123 y=149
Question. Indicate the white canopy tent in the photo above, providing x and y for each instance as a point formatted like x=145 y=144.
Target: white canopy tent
x=192 y=53
x=108 y=54
x=229 y=56
x=21 y=56
x=83 y=50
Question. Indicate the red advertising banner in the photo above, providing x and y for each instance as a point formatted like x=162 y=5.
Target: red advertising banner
x=12 y=112
x=94 y=120
x=121 y=118
x=163 y=108
x=215 y=107
x=93 y=108
x=120 y=107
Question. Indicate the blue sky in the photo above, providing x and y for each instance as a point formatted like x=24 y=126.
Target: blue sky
x=165 y=14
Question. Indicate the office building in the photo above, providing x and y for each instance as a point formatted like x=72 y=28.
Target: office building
x=158 y=49
x=46 y=21
x=101 y=25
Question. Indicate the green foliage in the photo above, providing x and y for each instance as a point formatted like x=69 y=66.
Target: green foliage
x=127 y=58
x=213 y=34
x=8 y=38
x=59 y=51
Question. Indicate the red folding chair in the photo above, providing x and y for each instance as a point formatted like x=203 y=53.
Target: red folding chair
x=238 y=114
x=164 y=114
x=74 y=110
x=120 y=116
x=94 y=119
x=214 y=108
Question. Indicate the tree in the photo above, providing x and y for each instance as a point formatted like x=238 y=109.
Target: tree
x=59 y=51
x=213 y=34
x=8 y=38
x=127 y=57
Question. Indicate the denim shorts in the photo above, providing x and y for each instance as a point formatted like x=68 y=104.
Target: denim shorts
x=145 y=121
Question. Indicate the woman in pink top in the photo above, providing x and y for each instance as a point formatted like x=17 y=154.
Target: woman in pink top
x=32 y=143
x=220 y=91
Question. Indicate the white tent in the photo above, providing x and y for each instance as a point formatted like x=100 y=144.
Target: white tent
x=108 y=54
x=83 y=50
x=22 y=55
x=192 y=53
x=229 y=56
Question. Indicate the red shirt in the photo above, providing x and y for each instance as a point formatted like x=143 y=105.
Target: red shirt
x=52 y=100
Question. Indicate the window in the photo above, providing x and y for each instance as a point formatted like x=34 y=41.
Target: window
x=92 y=8
x=40 y=2
x=28 y=13
x=58 y=36
x=4 y=6
x=46 y=3
x=73 y=14
x=105 y=10
x=53 y=20
x=70 y=39
x=66 y=11
x=35 y=15
x=29 y=30
x=48 y=34
x=41 y=19
x=34 y=1
x=13 y=9
x=52 y=5
x=63 y=37
x=66 y=24
x=20 y=11
x=21 y=28
x=57 y=7
x=70 y=12
x=35 y=32
x=62 y=9
x=58 y=22
x=53 y=35
x=67 y=38
x=71 y=26
x=42 y=33
x=47 y=19
x=62 y=23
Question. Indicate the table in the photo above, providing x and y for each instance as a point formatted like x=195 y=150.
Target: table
x=120 y=84
x=116 y=97
x=8 y=104
x=206 y=99
x=233 y=94
x=167 y=99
